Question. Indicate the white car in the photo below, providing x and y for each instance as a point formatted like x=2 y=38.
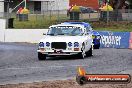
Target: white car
x=66 y=39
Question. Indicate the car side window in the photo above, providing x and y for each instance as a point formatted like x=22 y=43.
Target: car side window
x=87 y=29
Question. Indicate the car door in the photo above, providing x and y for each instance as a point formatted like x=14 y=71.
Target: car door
x=89 y=31
x=89 y=38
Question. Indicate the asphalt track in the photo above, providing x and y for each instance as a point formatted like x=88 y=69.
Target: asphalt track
x=19 y=64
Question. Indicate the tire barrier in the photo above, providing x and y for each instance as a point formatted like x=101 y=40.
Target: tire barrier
x=116 y=39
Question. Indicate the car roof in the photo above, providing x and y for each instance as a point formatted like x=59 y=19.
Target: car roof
x=66 y=24
x=84 y=24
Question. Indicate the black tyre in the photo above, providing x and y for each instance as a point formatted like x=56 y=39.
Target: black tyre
x=41 y=56
x=81 y=55
x=81 y=80
x=96 y=46
x=90 y=52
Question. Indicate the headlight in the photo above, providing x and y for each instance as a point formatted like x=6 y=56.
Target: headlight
x=93 y=36
x=41 y=44
x=69 y=44
x=47 y=44
x=76 y=44
x=97 y=37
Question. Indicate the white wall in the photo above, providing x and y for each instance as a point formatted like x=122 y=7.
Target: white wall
x=55 y=5
x=1 y=8
x=1 y=35
x=2 y=29
x=2 y=24
x=24 y=35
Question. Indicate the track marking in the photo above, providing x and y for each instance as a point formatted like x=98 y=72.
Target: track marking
x=20 y=68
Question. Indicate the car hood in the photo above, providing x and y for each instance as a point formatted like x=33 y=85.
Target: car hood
x=63 y=39
x=95 y=33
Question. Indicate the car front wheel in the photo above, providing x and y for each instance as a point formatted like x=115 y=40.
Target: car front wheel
x=89 y=53
x=96 y=46
x=81 y=55
x=41 y=56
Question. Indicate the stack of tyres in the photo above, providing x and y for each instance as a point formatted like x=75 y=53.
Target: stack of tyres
x=74 y=15
x=23 y=17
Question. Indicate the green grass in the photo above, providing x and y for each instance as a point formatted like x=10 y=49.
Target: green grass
x=115 y=30
x=38 y=21
x=113 y=26
x=42 y=22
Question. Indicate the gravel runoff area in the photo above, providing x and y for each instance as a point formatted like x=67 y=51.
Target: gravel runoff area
x=65 y=84
x=20 y=68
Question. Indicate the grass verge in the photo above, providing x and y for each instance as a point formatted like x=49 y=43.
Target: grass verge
x=43 y=22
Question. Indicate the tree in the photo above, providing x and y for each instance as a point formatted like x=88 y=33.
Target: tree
x=116 y=5
x=130 y=6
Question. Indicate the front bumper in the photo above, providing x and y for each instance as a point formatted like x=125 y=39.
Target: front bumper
x=64 y=53
x=96 y=41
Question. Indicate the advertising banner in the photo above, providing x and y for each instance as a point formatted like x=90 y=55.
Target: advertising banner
x=115 y=39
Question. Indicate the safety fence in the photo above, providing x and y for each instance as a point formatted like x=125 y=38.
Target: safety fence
x=42 y=19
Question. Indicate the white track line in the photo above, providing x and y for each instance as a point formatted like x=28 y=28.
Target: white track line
x=20 y=68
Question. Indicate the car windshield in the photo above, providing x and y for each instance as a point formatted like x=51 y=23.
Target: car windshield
x=64 y=30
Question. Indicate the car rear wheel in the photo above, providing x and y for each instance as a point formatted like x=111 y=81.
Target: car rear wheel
x=89 y=53
x=41 y=56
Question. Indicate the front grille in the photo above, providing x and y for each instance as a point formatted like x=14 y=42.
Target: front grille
x=58 y=45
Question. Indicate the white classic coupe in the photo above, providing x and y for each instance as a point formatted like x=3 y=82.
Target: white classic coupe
x=66 y=39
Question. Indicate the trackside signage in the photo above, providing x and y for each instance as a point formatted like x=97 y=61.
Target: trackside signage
x=130 y=41
x=115 y=39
